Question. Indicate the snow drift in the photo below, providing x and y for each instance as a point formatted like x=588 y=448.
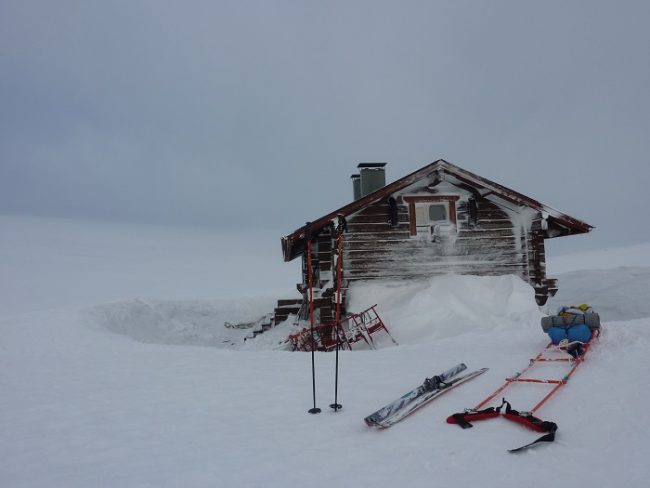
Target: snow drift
x=442 y=307
x=449 y=306
x=181 y=322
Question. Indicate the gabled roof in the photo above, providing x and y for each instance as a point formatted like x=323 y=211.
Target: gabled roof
x=293 y=244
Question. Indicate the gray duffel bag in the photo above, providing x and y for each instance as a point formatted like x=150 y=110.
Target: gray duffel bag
x=592 y=320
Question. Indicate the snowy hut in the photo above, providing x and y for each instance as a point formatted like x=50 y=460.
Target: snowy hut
x=440 y=219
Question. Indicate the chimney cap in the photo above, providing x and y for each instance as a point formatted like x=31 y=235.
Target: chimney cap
x=355 y=176
x=371 y=165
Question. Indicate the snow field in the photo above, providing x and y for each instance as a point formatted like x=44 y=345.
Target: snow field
x=110 y=390
x=100 y=409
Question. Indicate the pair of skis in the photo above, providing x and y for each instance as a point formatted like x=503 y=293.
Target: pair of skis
x=430 y=389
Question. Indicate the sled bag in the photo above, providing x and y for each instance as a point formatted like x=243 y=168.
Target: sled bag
x=580 y=333
x=591 y=320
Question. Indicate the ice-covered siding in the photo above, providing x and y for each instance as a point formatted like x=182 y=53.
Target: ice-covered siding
x=323 y=276
x=498 y=239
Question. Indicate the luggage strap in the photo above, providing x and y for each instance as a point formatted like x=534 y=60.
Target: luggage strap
x=526 y=419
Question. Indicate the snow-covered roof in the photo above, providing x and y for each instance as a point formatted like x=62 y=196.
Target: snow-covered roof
x=293 y=244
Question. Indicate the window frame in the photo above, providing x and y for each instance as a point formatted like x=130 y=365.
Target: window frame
x=450 y=200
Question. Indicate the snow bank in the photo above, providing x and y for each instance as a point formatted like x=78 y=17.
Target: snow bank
x=415 y=312
x=441 y=307
x=192 y=322
x=449 y=306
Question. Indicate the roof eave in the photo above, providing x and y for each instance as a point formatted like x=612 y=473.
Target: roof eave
x=289 y=242
x=575 y=226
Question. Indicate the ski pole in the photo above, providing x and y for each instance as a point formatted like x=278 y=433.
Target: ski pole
x=341 y=227
x=311 y=318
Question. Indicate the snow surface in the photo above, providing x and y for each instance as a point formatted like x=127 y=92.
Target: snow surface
x=102 y=387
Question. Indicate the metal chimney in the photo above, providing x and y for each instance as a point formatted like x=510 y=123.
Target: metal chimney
x=356 y=186
x=372 y=176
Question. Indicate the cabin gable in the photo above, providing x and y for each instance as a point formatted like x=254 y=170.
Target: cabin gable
x=442 y=230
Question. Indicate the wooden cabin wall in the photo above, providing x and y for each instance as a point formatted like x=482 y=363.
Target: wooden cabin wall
x=323 y=260
x=375 y=250
x=544 y=286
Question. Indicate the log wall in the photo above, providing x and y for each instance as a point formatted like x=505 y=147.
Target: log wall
x=487 y=244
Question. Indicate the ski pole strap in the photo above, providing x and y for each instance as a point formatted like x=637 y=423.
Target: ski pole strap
x=526 y=419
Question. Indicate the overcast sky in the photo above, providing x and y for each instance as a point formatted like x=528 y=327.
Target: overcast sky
x=255 y=113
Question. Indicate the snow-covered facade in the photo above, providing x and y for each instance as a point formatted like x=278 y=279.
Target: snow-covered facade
x=440 y=219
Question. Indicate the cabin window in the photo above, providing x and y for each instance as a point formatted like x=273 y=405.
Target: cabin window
x=437 y=212
x=430 y=213
x=427 y=212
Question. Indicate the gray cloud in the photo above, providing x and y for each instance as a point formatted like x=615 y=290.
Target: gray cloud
x=255 y=113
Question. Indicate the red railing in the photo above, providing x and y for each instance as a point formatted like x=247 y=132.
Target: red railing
x=351 y=329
